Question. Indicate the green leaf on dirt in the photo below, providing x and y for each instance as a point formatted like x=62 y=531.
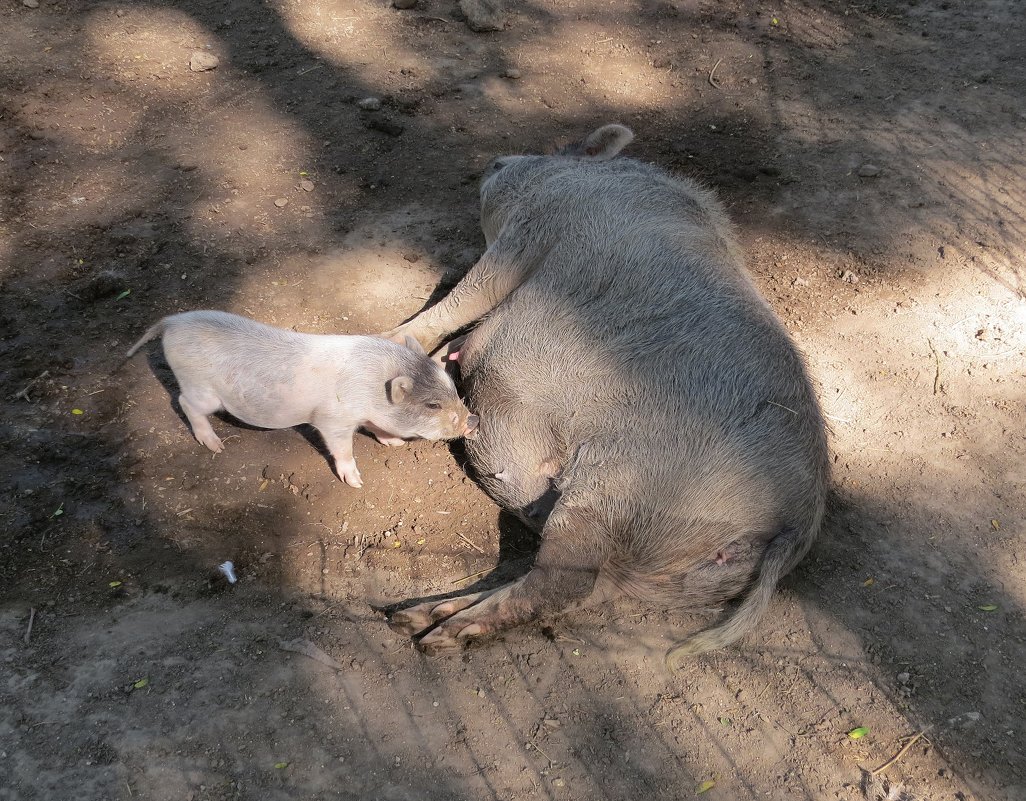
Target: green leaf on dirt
x=988 y=608
x=576 y=652
x=725 y=721
x=142 y=682
x=58 y=511
x=774 y=21
x=303 y=172
x=705 y=786
x=869 y=582
x=859 y=733
x=124 y=294
x=77 y=411
x=995 y=524
x=114 y=585
x=280 y=765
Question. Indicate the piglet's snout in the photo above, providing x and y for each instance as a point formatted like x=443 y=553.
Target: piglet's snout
x=470 y=431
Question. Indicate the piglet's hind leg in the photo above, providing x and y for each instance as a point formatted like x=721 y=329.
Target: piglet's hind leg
x=197 y=405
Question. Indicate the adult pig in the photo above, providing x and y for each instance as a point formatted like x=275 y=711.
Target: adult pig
x=640 y=402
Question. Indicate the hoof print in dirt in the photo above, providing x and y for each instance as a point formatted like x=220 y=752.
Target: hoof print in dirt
x=385 y=125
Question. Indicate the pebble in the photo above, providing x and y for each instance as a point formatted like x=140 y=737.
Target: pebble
x=306 y=185
x=404 y=4
x=512 y=73
x=483 y=15
x=904 y=678
x=201 y=61
x=868 y=170
x=30 y=3
x=281 y=202
x=370 y=104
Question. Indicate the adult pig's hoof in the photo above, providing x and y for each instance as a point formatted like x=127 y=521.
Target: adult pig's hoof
x=411 y=621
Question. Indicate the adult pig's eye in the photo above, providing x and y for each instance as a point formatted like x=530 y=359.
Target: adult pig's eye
x=433 y=405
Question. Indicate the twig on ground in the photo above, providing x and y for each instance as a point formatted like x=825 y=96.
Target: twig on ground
x=537 y=748
x=24 y=393
x=32 y=619
x=472 y=575
x=936 y=359
x=712 y=72
x=912 y=741
x=471 y=544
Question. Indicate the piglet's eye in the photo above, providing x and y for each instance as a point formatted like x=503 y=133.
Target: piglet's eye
x=433 y=405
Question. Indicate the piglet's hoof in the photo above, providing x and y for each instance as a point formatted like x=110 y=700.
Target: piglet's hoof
x=349 y=474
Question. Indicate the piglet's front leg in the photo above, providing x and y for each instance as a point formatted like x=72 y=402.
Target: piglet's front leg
x=383 y=436
x=340 y=444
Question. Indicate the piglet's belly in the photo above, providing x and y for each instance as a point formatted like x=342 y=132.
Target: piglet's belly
x=270 y=409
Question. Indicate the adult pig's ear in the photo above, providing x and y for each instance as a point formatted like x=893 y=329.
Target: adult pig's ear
x=398 y=388
x=603 y=144
x=413 y=344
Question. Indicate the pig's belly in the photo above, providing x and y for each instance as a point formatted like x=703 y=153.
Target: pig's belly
x=266 y=407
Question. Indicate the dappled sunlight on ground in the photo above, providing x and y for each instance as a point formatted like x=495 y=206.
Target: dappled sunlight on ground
x=873 y=158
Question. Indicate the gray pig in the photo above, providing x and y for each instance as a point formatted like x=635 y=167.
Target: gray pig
x=640 y=402
x=273 y=378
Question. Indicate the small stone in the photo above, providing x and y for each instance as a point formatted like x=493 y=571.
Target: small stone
x=30 y=3
x=412 y=258
x=370 y=104
x=848 y=277
x=903 y=678
x=402 y=5
x=983 y=335
x=483 y=15
x=512 y=73
x=868 y=170
x=281 y=202
x=201 y=61
x=558 y=783
x=306 y=185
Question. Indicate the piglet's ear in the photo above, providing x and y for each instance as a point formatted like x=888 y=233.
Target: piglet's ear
x=398 y=388
x=413 y=344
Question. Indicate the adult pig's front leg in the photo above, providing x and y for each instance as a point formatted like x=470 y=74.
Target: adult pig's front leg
x=503 y=267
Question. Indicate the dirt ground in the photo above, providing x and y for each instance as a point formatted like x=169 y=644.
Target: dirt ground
x=873 y=156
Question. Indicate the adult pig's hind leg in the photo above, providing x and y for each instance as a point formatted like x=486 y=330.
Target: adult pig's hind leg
x=565 y=573
x=197 y=404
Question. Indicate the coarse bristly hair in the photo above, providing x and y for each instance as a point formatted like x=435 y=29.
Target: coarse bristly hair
x=620 y=338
